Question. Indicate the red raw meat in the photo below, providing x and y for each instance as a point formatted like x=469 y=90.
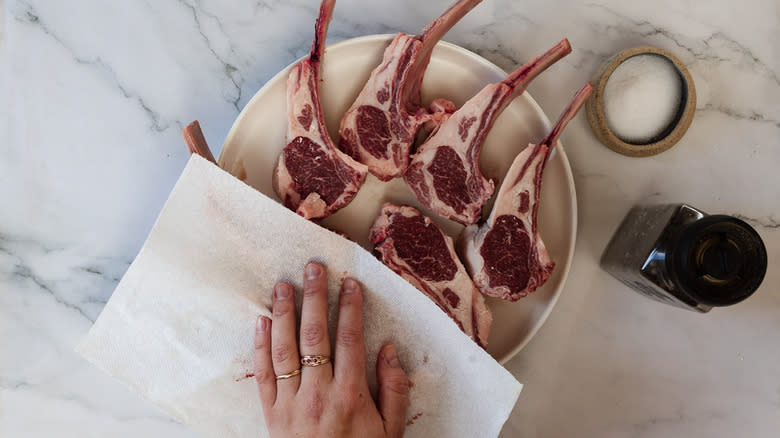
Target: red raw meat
x=313 y=177
x=444 y=173
x=506 y=256
x=381 y=125
x=417 y=250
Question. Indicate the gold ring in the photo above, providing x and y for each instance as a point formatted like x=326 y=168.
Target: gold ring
x=288 y=375
x=314 y=360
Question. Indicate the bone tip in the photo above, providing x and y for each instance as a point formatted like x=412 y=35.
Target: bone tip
x=587 y=88
x=194 y=125
x=565 y=46
x=584 y=93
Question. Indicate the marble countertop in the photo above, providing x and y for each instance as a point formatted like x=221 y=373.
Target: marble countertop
x=95 y=93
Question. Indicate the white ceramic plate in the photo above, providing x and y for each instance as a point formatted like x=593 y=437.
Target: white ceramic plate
x=257 y=138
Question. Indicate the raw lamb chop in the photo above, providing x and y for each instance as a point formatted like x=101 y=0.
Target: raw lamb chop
x=506 y=256
x=444 y=173
x=196 y=142
x=416 y=249
x=313 y=177
x=380 y=127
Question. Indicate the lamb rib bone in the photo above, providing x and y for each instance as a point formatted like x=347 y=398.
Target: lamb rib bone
x=196 y=142
x=416 y=249
x=506 y=256
x=444 y=173
x=380 y=127
x=313 y=177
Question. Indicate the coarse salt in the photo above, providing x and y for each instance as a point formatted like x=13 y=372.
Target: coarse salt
x=642 y=98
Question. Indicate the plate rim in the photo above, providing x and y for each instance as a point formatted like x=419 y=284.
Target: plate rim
x=367 y=39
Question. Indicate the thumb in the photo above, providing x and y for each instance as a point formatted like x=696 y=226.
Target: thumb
x=393 y=391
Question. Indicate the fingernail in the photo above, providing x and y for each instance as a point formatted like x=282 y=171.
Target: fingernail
x=391 y=357
x=262 y=324
x=313 y=270
x=282 y=291
x=350 y=286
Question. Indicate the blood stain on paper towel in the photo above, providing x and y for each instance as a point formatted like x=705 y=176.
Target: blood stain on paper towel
x=248 y=375
x=415 y=417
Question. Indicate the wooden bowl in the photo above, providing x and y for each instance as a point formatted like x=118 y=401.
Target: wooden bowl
x=594 y=108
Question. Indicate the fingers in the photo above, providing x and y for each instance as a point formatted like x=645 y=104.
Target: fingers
x=350 y=358
x=393 y=397
x=314 y=322
x=263 y=367
x=284 y=348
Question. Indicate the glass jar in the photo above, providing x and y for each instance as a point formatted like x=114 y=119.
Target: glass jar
x=679 y=255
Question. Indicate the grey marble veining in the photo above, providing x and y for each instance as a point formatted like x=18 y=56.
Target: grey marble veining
x=95 y=94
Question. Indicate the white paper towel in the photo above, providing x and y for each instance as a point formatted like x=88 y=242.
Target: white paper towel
x=179 y=328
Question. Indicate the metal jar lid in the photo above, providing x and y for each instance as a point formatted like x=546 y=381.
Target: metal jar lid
x=718 y=260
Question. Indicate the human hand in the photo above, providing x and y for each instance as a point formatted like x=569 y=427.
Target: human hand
x=332 y=399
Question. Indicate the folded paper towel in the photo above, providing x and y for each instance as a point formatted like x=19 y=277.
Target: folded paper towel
x=179 y=328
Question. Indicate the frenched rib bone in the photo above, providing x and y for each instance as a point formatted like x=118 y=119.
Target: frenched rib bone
x=196 y=142
x=416 y=249
x=505 y=255
x=380 y=127
x=444 y=173
x=313 y=177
